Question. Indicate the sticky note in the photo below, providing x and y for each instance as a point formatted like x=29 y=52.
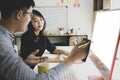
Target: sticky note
x=76 y=1
x=68 y=1
x=58 y=4
x=62 y=1
x=74 y=5
x=78 y=5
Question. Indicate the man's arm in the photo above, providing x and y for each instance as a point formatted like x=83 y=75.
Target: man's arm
x=12 y=66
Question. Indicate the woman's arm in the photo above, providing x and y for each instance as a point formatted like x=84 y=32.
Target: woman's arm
x=61 y=51
x=50 y=47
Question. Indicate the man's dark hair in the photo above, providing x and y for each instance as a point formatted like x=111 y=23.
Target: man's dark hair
x=7 y=7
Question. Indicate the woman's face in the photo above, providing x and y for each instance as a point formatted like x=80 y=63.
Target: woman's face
x=38 y=23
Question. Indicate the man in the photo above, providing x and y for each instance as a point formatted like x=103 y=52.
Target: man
x=15 y=16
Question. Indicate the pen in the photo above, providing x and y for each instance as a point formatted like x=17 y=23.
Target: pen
x=85 y=44
x=82 y=45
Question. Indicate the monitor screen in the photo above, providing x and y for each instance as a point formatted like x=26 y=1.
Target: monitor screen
x=105 y=35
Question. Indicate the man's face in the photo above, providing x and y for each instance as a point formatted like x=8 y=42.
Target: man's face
x=25 y=18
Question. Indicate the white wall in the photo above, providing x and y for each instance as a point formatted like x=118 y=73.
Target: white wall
x=78 y=17
x=55 y=17
x=114 y=4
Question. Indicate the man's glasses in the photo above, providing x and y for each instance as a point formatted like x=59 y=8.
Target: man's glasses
x=31 y=14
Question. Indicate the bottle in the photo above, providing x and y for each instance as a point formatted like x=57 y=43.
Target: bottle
x=61 y=31
x=78 y=31
x=72 y=31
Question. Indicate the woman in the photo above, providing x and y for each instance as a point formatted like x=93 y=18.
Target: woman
x=34 y=38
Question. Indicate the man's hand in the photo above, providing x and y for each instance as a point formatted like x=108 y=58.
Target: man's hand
x=33 y=60
x=77 y=54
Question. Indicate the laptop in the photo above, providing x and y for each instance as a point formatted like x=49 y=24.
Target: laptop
x=105 y=36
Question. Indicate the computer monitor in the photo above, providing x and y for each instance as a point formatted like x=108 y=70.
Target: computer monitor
x=105 y=36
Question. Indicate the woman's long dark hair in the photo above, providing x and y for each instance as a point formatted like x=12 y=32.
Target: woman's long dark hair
x=30 y=26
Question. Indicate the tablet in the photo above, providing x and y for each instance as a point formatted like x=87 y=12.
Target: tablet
x=85 y=42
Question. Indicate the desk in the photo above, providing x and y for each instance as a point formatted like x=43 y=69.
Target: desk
x=81 y=70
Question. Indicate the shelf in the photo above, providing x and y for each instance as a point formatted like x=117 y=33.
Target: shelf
x=98 y=5
x=101 y=5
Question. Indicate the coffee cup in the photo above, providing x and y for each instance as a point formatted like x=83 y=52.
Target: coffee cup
x=42 y=67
